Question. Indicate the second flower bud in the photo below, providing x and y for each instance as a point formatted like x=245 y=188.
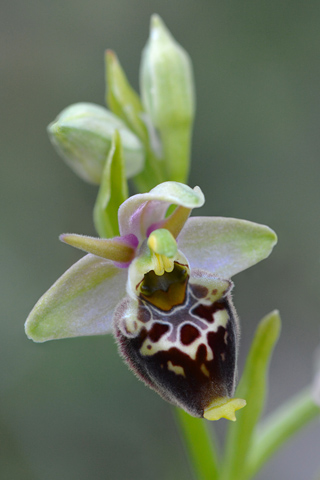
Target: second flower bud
x=82 y=135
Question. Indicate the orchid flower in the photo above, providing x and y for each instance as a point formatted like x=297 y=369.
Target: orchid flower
x=163 y=288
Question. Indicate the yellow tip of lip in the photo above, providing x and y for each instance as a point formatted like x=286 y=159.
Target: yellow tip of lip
x=224 y=408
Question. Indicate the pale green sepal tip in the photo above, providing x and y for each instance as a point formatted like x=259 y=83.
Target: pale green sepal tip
x=112 y=193
x=179 y=194
x=157 y=25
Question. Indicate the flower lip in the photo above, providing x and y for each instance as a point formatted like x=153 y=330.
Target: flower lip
x=185 y=348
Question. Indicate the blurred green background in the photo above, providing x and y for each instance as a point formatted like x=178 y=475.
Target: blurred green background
x=71 y=409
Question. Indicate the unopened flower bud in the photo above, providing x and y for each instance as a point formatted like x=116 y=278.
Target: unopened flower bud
x=82 y=135
x=167 y=90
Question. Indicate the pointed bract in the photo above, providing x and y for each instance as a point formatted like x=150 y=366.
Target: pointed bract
x=113 y=191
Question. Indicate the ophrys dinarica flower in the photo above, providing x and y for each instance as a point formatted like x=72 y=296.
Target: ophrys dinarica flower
x=163 y=288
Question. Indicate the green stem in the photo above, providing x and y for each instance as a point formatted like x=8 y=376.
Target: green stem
x=253 y=388
x=200 y=444
x=279 y=427
x=152 y=174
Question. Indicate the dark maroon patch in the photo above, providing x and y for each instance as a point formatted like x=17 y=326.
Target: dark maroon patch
x=199 y=291
x=206 y=312
x=143 y=313
x=188 y=334
x=157 y=330
x=201 y=354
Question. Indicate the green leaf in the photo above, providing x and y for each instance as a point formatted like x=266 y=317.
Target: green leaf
x=252 y=387
x=112 y=193
x=279 y=427
x=200 y=445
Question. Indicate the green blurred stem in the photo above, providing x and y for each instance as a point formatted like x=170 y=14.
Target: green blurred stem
x=279 y=427
x=152 y=174
x=252 y=387
x=200 y=445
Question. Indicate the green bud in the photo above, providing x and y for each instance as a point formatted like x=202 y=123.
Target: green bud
x=167 y=90
x=82 y=135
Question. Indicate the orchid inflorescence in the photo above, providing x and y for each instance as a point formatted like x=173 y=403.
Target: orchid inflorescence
x=157 y=278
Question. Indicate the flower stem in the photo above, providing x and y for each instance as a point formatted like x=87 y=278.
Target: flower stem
x=252 y=387
x=279 y=427
x=200 y=444
x=152 y=174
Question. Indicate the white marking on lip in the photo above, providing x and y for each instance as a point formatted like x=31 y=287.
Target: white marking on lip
x=176 y=369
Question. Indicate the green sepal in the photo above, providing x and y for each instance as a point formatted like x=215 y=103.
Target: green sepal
x=225 y=246
x=80 y=303
x=112 y=193
x=252 y=387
